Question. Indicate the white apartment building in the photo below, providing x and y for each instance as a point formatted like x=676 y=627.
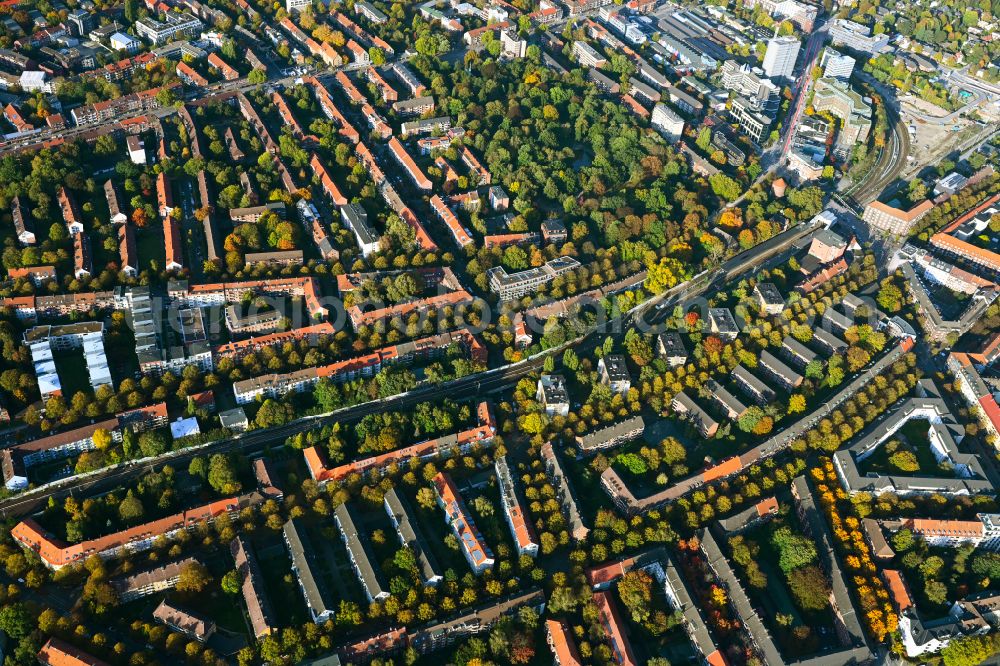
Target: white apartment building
x=88 y=336
x=668 y=122
x=857 y=37
x=173 y=26
x=587 y=56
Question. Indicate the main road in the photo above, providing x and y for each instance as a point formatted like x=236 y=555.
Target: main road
x=477 y=384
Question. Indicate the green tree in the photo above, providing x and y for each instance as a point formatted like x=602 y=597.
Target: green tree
x=193 y=578
x=794 y=550
x=271 y=413
x=904 y=461
x=16 y=620
x=231 y=582
x=130 y=509
x=704 y=140
x=153 y=443
x=222 y=474
x=809 y=587
x=725 y=187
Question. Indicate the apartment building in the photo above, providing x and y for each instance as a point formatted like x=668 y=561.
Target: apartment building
x=683 y=405
x=56 y=554
x=319 y=600
x=781 y=373
x=70 y=211
x=615 y=630
x=83 y=263
x=24 y=227
x=857 y=37
x=895 y=221
x=57 y=652
x=836 y=65
x=425 y=126
x=472 y=164
x=413 y=171
x=553 y=395
x=668 y=122
x=560 y=641
x=564 y=491
x=275 y=385
x=410 y=536
x=722 y=323
x=360 y=553
x=86 y=336
x=513 y=510
x=173 y=26
x=150 y=581
x=227 y=72
x=732 y=408
x=133 y=104
x=190 y=624
x=189 y=75
x=37 y=275
x=797 y=352
x=262 y=616
x=458 y=518
x=438 y=635
x=370 y=12
x=854 y=110
x=17 y=459
x=760 y=392
x=611 y=436
x=613 y=371
x=459 y=233
x=415 y=106
x=780 y=57
x=769 y=298
x=254 y=213
x=511 y=286
x=944 y=435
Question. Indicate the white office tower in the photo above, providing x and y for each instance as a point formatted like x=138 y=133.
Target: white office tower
x=779 y=60
x=836 y=65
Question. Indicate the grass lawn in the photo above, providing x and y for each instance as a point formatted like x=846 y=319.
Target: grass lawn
x=912 y=436
x=150 y=245
x=281 y=587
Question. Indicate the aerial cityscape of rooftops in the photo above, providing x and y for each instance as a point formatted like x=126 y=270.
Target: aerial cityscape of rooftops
x=489 y=332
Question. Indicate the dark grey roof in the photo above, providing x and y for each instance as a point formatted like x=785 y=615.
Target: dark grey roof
x=828 y=339
x=779 y=369
x=726 y=400
x=627 y=429
x=555 y=472
x=672 y=344
x=752 y=385
x=723 y=320
x=304 y=565
x=970 y=477
x=694 y=412
x=360 y=552
x=475 y=621
x=797 y=351
x=769 y=293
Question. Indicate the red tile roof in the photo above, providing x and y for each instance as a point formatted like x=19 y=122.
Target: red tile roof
x=60 y=653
